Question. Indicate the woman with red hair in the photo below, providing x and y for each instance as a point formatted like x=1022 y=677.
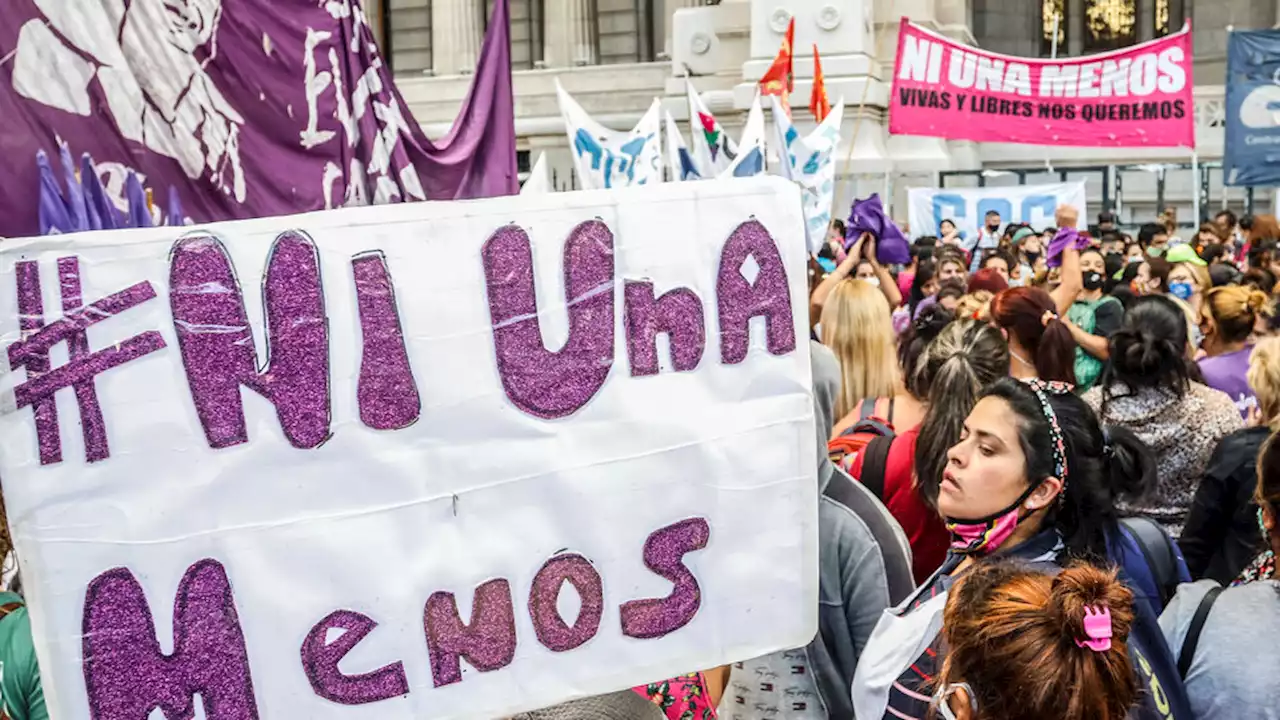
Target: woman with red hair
x=1040 y=345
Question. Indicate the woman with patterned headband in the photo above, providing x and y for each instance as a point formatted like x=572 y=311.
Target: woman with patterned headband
x=1034 y=478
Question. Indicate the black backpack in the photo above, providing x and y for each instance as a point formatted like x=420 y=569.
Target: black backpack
x=1158 y=550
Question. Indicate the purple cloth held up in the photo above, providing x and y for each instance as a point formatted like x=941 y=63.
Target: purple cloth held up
x=1067 y=237
x=868 y=215
x=101 y=212
x=54 y=217
x=139 y=212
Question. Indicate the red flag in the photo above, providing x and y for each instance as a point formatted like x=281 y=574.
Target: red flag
x=819 y=105
x=779 y=79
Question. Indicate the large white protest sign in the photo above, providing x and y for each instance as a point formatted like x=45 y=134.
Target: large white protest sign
x=390 y=500
x=967 y=207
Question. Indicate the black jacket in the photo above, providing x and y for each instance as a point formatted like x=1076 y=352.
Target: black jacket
x=1221 y=536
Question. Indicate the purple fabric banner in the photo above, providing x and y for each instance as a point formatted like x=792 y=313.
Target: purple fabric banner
x=245 y=108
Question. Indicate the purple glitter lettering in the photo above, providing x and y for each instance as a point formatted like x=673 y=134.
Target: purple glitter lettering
x=320 y=660
x=551 y=629
x=387 y=393
x=663 y=554
x=126 y=674
x=32 y=352
x=678 y=313
x=741 y=299
x=488 y=642
x=217 y=344
x=540 y=382
x=30 y=319
x=92 y=426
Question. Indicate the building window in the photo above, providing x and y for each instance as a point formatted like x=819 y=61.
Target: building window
x=1170 y=15
x=407 y=35
x=625 y=31
x=1109 y=25
x=1053 y=12
x=527 y=36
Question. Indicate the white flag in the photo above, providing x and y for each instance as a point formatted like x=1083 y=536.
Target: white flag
x=750 y=159
x=606 y=158
x=539 y=180
x=713 y=150
x=810 y=162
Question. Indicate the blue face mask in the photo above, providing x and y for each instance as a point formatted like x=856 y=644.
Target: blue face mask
x=1180 y=290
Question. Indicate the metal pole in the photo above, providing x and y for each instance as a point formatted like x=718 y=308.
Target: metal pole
x=1057 y=21
x=1195 y=174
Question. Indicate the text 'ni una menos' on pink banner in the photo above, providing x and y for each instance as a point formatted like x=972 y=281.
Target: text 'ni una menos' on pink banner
x=1136 y=97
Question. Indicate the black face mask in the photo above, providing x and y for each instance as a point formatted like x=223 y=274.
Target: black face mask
x=1093 y=281
x=1032 y=257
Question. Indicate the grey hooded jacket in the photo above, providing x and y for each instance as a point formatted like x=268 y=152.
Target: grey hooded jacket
x=863 y=555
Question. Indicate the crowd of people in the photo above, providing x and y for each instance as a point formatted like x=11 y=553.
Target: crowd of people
x=1049 y=481
x=1049 y=485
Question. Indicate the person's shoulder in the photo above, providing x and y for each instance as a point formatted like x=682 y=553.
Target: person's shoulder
x=1178 y=613
x=849 y=510
x=1093 y=397
x=1215 y=402
x=852 y=520
x=1110 y=304
x=1245 y=441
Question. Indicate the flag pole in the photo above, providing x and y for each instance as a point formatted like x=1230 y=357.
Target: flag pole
x=857 y=125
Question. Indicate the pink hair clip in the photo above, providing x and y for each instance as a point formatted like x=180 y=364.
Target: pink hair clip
x=1097 y=625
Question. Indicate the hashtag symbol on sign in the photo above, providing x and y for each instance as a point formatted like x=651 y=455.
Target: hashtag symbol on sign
x=32 y=353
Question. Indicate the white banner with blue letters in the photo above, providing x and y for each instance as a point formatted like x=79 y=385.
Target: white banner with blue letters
x=968 y=207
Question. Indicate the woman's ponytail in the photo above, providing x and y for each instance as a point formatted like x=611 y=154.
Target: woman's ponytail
x=1131 y=465
x=1056 y=354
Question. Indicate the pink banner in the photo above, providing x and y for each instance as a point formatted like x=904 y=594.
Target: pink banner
x=1136 y=97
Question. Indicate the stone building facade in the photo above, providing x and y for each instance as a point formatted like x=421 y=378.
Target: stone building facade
x=615 y=56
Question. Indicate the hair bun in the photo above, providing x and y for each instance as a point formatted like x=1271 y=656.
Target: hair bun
x=1081 y=586
x=1256 y=302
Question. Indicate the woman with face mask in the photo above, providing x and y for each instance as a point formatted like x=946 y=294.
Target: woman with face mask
x=948 y=375
x=1091 y=319
x=1032 y=478
x=1148 y=388
x=1188 y=277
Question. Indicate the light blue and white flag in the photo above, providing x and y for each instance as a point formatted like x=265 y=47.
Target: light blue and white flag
x=810 y=161
x=678 y=157
x=607 y=158
x=751 y=154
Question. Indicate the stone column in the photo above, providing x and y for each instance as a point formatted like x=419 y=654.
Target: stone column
x=571 y=33
x=668 y=9
x=456 y=32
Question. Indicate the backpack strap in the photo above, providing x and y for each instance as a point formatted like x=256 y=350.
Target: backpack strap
x=1188 y=651
x=1157 y=550
x=8 y=608
x=892 y=400
x=867 y=408
x=875 y=461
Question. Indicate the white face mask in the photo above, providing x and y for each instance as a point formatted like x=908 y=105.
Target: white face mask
x=873 y=281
